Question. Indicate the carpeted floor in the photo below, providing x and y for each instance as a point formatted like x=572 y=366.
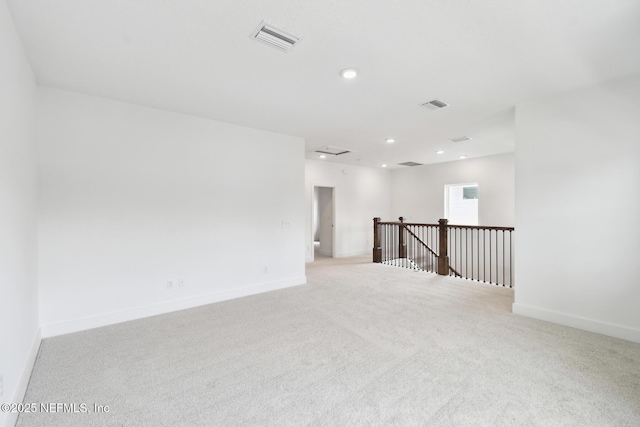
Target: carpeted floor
x=360 y=344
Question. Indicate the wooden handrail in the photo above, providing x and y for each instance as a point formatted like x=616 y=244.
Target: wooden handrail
x=474 y=255
x=482 y=227
x=476 y=227
x=406 y=223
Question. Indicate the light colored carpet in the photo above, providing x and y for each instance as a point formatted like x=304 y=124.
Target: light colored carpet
x=361 y=344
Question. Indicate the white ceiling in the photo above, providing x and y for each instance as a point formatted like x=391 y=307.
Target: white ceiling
x=196 y=57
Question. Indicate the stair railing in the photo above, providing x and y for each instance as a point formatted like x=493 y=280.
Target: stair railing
x=473 y=252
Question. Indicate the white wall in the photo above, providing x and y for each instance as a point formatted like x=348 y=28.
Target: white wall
x=132 y=197
x=360 y=195
x=19 y=336
x=578 y=210
x=418 y=192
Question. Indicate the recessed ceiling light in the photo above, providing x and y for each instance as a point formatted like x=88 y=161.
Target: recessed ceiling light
x=390 y=140
x=440 y=152
x=322 y=156
x=384 y=166
x=349 y=73
x=463 y=157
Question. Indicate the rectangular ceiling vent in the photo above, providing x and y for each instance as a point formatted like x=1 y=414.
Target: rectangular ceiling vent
x=434 y=105
x=274 y=36
x=410 y=164
x=460 y=139
x=334 y=151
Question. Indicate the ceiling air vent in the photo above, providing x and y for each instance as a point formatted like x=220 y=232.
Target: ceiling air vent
x=460 y=139
x=410 y=164
x=274 y=36
x=334 y=151
x=434 y=105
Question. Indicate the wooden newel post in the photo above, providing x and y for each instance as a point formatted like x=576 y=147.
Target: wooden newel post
x=377 y=246
x=402 y=244
x=443 y=257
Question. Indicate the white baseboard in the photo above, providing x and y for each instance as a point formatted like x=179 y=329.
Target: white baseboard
x=354 y=253
x=11 y=417
x=165 y=307
x=599 y=327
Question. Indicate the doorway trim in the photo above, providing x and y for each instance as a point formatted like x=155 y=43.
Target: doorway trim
x=334 y=217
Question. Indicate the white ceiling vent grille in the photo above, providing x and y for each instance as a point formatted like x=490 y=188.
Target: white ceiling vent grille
x=274 y=36
x=410 y=164
x=434 y=105
x=334 y=151
x=460 y=139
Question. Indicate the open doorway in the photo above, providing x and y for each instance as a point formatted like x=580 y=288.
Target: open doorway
x=323 y=216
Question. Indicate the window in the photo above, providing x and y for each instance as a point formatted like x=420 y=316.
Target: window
x=461 y=204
